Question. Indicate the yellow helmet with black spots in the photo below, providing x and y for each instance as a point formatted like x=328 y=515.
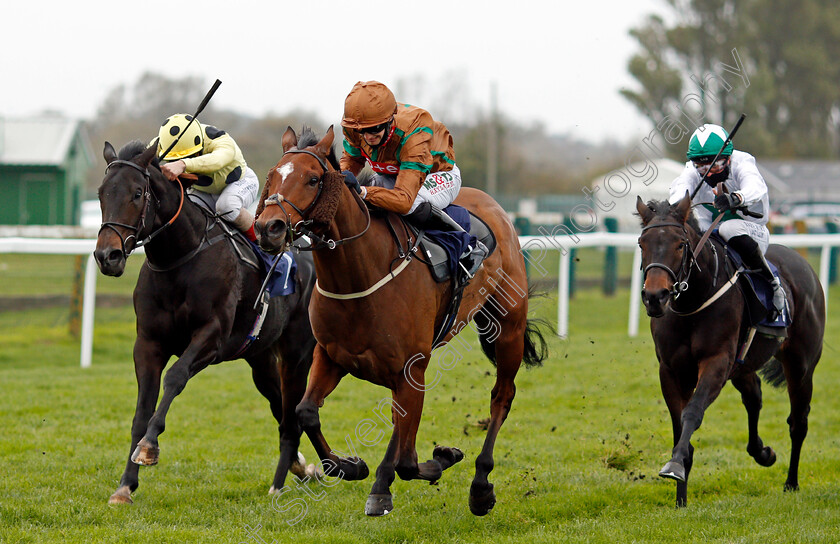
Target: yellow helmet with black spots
x=189 y=134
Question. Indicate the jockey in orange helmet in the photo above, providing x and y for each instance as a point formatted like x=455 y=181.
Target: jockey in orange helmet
x=411 y=155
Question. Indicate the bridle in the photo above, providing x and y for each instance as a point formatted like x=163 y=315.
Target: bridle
x=689 y=260
x=148 y=193
x=293 y=232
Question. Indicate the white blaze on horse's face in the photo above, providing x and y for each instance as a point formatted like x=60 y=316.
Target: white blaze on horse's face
x=285 y=171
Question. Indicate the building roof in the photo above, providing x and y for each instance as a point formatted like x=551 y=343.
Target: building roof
x=802 y=177
x=41 y=141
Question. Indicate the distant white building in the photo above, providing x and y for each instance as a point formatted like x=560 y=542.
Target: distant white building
x=614 y=193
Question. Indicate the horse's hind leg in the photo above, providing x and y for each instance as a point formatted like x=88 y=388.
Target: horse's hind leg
x=800 y=387
x=509 y=350
x=149 y=363
x=267 y=379
x=323 y=379
x=749 y=386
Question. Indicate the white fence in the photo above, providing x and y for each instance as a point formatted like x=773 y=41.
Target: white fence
x=536 y=246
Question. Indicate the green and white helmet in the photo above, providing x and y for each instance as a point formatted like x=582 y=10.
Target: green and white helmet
x=707 y=141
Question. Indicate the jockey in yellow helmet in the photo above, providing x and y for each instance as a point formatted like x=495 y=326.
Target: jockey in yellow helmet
x=224 y=180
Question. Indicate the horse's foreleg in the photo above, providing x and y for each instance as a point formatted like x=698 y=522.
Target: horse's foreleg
x=200 y=353
x=324 y=376
x=148 y=363
x=676 y=397
x=750 y=388
x=712 y=377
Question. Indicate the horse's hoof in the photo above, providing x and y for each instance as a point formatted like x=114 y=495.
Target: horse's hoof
x=673 y=470
x=480 y=505
x=354 y=468
x=379 y=504
x=767 y=457
x=121 y=496
x=450 y=455
x=145 y=454
x=313 y=473
x=298 y=467
x=791 y=486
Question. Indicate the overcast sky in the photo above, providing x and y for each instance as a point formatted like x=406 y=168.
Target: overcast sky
x=558 y=63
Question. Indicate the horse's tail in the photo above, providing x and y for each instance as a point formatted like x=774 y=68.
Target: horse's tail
x=536 y=348
x=773 y=373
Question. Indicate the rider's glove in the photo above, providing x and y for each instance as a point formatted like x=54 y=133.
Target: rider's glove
x=728 y=201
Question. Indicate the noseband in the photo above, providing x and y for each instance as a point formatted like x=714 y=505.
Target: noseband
x=141 y=222
x=689 y=259
x=302 y=226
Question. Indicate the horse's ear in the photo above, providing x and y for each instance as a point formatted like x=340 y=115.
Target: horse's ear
x=146 y=157
x=323 y=147
x=644 y=211
x=683 y=208
x=109 y=153
x=289 y=139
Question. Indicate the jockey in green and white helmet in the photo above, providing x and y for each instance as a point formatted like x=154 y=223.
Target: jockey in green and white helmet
x=747 y=190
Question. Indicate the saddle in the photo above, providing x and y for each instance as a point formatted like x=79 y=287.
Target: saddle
x=758 y=298
x=438 y=258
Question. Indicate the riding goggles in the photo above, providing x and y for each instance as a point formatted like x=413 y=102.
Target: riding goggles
x=704 y=164
x=374 y=130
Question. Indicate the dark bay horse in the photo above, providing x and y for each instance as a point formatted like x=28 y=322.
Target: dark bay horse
x=697 y=336
x=195 y=299
x=374 y=313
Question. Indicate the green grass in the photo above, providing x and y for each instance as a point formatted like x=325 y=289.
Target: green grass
x=576 y=460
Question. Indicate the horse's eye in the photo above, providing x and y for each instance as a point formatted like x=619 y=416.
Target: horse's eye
x=138 y=194
x=313 y=181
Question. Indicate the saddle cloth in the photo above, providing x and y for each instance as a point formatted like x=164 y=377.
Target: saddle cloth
x=758 y=293
x=443 y=250
x=282 y=280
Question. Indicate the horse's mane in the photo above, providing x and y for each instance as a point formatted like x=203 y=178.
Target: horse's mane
x=131 y=150
x=664 y=210
x=308 y=138
x=134 y=148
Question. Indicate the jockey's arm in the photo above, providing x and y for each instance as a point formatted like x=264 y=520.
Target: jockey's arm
x=415 y=164
x=351 y=158
x=751 y=186
x=686 y=181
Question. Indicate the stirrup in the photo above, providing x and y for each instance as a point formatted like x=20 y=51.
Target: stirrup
x=473 y=260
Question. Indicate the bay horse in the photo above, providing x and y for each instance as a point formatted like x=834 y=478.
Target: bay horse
x=697 y=335
x=374 y=313
x=195 y=298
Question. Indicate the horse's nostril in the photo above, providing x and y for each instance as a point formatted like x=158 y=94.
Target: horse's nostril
x=114 y=256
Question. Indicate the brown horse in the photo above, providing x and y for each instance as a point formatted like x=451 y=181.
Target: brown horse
x=697 y=335
x=374 y=312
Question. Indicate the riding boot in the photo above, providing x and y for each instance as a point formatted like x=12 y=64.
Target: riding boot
x=429 y=217
x=245 y=223
x=749 y=251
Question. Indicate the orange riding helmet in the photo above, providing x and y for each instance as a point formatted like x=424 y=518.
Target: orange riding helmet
x=369 y=103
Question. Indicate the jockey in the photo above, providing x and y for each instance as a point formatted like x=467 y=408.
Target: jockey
x=747 y=235
x=224 y=180
x=412 y=157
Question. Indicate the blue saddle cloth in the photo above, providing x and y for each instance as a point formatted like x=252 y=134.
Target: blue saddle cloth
x=454 y=243
x=282 y=280
x=764 y=292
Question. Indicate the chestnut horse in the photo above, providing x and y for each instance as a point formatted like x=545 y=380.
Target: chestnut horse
x=698 y=327
x=195 y=299
x=374 y=312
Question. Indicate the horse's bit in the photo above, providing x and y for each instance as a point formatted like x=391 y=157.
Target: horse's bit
x=689 y=259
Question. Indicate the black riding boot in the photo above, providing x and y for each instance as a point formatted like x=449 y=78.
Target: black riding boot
x=749 y=251
x=429 y=217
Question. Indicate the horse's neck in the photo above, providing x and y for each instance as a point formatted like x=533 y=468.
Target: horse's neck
x=360 y=263
x=184 y=234
x=710 y=260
